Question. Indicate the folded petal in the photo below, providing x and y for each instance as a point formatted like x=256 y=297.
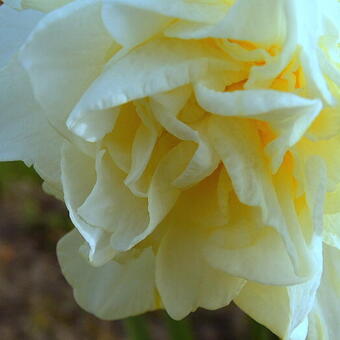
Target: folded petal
x=59 y=81
x=143 y=73
x=246 y=20
x=238 y=144
x=112 y=207
x=180 y=256
x=288 y=114
x=205 y=160
x=112 y=291
x=78 y=179
x=324 y=318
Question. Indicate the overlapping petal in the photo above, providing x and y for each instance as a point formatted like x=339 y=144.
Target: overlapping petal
x=196 y=147
x=117 y=290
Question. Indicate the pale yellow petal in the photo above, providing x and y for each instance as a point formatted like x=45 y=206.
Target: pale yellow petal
x=78 y=179
x=289 y=115
x=59 y=81
x=184 y=278
x=112 y=291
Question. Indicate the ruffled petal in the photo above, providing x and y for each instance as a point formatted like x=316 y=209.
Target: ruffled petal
x=133 y=21
x=184 y=279
x=288 y=114
x=324 y=318
x=143 y=73
x=166 y=107
x=112 y=291
x=112 y=207
x=59 y=82
x=246 y=20
x=78 y=179
x=285 y=310
x=239 y=147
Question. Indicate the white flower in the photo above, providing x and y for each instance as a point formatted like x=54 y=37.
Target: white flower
x=196 y=146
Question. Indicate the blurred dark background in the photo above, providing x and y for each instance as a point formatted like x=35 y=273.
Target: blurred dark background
x=36 y=302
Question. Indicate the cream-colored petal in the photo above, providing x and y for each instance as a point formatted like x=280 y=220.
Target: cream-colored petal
x=258 y=21
x=288 y=114
x=184 y=278
x=14 y=29
x=310 y=27
x=205 y=160
x=324 y=320
x=162 y=193
x=112 y=291
x=284 y=309
x=328 y=150
x=112 y=207
x=25 y=132
x=132 y=22
x=40 y=5
x=143 y=145
x=61 y=69
x=331 y=232
x=143 y=73
x=240 y=149
x=78 y=179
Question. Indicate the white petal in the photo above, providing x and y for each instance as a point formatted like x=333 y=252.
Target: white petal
x=239 y=146
x=112 y=291
x=283 y=310
x=287 y=113
x=258 y=21
x=61 y=69
x=324 y=321
x=26 y=134
x=78 y=179
x=112 y=207
x=205 y=160
x=184 y=279
x=143 y=72
x=15 y=27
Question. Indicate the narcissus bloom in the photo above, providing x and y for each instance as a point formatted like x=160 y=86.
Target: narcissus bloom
x=196 y=144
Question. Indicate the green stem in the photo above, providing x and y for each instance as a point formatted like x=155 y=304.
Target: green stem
x=136 y=328
x=179 y=330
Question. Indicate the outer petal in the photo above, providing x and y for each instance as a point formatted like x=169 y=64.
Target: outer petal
x=25 y=132
x=40 y=5
x=324 y=320
x=285 y=309
x=78 y=179
x=14 y=29
x=184 y=279
x=112 y=291
x=59 y=81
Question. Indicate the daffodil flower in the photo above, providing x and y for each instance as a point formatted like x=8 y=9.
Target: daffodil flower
x=196 y=145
